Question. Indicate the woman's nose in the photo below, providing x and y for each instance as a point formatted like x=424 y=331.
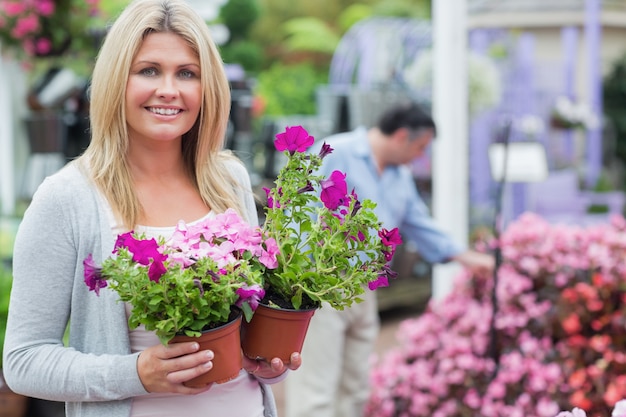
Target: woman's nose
x=167 y=88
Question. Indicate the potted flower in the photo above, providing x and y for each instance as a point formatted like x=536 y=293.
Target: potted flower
x=205 y=276
x=330 y=244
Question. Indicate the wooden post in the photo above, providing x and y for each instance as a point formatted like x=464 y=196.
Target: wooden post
x=450 y=149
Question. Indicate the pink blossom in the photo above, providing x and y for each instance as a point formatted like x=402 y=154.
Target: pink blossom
x=13 y=8
x=43 y=46
x=45 y=7
x=334 y=190
x=293 y=139
x=25 y=26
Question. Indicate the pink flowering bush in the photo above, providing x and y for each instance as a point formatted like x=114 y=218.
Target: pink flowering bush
x=330 y=244
x=557 y=340
x=47 y=27
x=192 y=281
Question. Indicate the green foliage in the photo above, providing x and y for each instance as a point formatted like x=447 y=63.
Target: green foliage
x=598 y=209
x=310 y=34
x=5 y=291
x=175 y=304
x=244 y=52
x=603 y=184
x=238 y=16
x=352 y=14
x=289 y=89
x=112 y=8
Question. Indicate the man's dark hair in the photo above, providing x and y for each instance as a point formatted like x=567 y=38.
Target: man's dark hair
x=406 y=115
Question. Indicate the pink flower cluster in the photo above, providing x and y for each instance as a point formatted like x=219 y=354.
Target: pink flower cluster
x=224 y=239
x=30 y=24
x=557 y=342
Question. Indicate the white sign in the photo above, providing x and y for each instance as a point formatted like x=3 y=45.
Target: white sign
x=525 y=161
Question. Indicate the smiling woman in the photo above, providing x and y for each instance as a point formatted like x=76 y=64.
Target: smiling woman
x=160 y=104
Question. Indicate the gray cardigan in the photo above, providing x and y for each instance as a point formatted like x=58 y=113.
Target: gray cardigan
x=97 y=374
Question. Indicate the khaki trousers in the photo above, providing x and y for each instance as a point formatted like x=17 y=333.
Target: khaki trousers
x=333 y=380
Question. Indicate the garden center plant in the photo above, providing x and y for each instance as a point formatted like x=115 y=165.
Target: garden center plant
x=191 y=282
x=330 y=244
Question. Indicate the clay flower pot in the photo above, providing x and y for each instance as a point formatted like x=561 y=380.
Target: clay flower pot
x=225 y=343
x=275 y=332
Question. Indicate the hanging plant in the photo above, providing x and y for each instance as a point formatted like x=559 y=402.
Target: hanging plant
x=44 y=28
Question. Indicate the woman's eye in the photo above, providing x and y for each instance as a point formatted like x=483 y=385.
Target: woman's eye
x=187 y=74
x=148 y=71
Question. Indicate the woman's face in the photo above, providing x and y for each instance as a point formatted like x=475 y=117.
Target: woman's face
x=163 y=92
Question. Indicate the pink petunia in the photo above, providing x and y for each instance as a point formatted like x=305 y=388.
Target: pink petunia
x=334 y=190
x=293 y=139
x=252 y=294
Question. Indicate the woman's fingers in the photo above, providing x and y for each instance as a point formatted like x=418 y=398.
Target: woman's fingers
x=274 y=368
x=167 y=368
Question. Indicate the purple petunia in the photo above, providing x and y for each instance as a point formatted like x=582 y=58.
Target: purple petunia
x=93 y=277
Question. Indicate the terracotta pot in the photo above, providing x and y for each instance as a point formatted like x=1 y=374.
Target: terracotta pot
x=225 y=342
x=11 y=404
x=275 y=332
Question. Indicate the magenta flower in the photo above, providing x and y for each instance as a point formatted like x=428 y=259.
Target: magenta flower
x=293 y=139
x=92 y=274
x=143 y=250
x=307 y=188
x=250 y=294
x=382 y=281
x=270 y=200
x=156 y=270
x=325 y=150
x=390 y=237
x=334 y=190
x=43 y=46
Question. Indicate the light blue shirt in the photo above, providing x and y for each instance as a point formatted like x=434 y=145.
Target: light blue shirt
x=394 y=191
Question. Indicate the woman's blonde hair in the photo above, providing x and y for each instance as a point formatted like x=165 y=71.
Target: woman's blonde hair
x=202 y=146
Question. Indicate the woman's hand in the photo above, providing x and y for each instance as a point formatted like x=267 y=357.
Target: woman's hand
x=166 y=368
x=272 y=369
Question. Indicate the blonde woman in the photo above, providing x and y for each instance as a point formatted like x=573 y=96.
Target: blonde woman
x=159 y=109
